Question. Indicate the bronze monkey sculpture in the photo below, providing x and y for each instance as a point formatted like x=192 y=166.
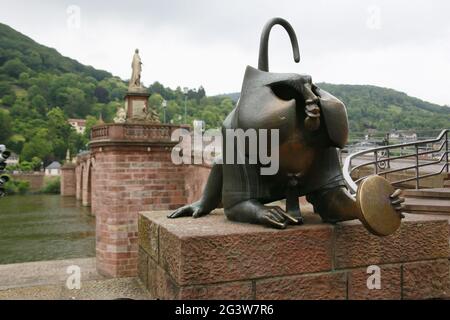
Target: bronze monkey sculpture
x=312 y=124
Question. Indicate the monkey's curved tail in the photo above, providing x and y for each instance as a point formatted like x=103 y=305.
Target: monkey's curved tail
x=263 y=63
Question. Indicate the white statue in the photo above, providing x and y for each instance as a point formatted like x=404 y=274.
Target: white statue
x=136 y=66
x=121 y=116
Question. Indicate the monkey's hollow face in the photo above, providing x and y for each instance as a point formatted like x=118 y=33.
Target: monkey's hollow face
x=289 y=103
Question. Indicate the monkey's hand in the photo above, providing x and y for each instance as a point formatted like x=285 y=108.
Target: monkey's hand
x=195 y=210
x=312 y=110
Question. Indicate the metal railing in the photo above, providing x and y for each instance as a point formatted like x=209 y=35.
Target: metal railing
x=387 y=160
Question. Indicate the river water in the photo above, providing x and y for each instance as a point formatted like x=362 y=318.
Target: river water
x=44 y=227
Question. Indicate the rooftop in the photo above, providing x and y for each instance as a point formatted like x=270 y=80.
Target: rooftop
x=54 y=165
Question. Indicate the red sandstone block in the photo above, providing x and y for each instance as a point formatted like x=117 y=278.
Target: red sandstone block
x=154 y=186
x=143 y=266
x=307 y=287
x=159 y=193
x=179 y=200
x=148 y=201
x=175 y=206
x=159 y=284
x=390 y=281
x=135 y=209
x=419 y=238
x=165 y=200
x=133 y=158
x=426 y=279
x=242 y=290
x=213 y=249
x=161 y=207
x=149 y=237
x=127 y=273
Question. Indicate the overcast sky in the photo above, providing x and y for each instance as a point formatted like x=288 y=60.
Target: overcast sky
x=404 y=45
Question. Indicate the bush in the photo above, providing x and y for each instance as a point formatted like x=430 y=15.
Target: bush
x=17 y=187
x=52 y=185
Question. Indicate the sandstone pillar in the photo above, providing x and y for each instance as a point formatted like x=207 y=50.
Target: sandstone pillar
x=68 y=180
x=132 y=171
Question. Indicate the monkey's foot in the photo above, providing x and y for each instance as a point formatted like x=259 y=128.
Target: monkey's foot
x=296 y=216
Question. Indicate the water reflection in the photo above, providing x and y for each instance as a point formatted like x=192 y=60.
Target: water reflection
x=44 y=227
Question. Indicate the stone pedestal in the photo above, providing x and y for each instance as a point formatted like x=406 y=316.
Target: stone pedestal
x=136 y=105
x=132 y=171
x=68 y=180
x=214 y=258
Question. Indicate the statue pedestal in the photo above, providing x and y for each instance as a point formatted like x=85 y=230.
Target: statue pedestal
x=213 y=258
x=136 y=104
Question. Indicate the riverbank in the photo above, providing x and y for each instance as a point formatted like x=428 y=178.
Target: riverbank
x=46 y=280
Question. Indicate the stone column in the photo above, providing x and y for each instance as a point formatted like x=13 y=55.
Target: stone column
x=78 y=172
x=86 y=186
x=133 y=172
x=68 y=180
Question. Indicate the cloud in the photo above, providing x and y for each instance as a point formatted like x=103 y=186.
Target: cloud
x=403 y=44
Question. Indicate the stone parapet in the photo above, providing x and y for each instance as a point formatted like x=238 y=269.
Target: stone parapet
x=214 y=258
x=107 y=134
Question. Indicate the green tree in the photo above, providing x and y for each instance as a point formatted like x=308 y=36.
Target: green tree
x=90 y=122
x=9 y=99
x=39 y=146
x=14 y=68
x=39 y=103
x=59 y=131
x=5 y=89
x=36 y=163
x=24 y=79
x=155 y=101
x=5 y=126
x=101 y=94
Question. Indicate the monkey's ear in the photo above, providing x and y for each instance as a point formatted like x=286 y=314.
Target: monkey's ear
x=284 y=91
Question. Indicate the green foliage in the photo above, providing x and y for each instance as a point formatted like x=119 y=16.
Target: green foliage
x=39 y=58
x=5 y=125
x=38 y=146
x=90 y=122
x=17 y=186
x=16 y=142
x=371 y=107
x=212 y=110
x=9 y=99
x=40 y=89
x=52 y=185
x=14 y=68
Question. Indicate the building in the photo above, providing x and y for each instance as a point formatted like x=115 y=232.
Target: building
x=54 y=169
x=409 y=136
x=78 y=124
x=13 y=159
x=394 y=135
